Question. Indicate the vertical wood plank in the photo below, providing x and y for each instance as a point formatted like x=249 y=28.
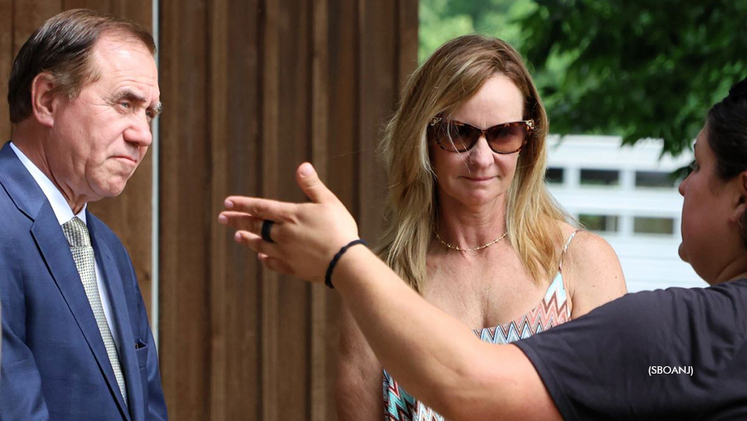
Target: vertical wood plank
x=378 y=91
x=6 y=64
x=137 y=10
x=219 y=284
x=235 y=138
x=99 y=5
x=294 y=131
x=407 y=43
x=186 y=217
x=344 y=102
x=29 y=15
x=270 y=122
x=322 y=379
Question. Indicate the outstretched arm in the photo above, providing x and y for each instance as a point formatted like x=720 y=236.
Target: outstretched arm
x=433 y=355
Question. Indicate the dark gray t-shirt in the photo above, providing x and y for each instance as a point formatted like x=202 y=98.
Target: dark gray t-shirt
x=661 y=355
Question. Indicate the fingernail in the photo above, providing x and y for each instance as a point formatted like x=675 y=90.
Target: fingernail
x=305 y=170
x=228 y=204
x=222 y=219
x=237 y=237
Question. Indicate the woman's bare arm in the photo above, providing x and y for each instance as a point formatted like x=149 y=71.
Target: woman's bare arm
x=358 y=391
x=592 y=272
x=433 y=355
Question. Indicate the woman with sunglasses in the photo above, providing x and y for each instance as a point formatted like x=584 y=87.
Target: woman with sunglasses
x=471 y=226
x=675 y=354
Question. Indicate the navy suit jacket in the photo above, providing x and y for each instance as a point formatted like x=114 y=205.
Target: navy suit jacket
x=54 y=364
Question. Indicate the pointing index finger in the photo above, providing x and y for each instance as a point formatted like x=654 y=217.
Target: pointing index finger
x=260 y=208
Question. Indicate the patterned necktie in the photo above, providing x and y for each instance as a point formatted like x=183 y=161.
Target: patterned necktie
x=76 y=233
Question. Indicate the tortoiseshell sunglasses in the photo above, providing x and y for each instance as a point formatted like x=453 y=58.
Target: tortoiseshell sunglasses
x=455 y=136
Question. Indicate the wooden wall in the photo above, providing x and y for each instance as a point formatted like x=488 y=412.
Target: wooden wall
x=251 y=88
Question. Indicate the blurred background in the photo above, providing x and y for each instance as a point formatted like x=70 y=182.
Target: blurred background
x=251 y=88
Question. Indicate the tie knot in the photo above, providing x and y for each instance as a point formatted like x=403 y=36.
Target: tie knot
x=76 y=233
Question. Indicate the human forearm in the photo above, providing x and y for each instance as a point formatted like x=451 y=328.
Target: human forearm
x=431 y=354
x=434 y=356
x=359 y=375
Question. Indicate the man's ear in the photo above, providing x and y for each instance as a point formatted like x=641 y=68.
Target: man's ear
x=741 y=203
x=43 y=102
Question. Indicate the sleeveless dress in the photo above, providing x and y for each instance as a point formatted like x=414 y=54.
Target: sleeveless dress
x=551 y=311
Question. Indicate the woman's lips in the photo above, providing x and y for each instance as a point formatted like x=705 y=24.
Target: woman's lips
x=478 y=179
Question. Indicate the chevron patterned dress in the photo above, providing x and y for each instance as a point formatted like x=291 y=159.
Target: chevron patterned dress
x=551 y=311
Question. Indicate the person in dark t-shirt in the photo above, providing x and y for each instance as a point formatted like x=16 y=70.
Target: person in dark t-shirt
x=668 y=354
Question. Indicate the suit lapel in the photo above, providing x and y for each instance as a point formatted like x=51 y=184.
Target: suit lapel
x=117 y=300
x=20 y=185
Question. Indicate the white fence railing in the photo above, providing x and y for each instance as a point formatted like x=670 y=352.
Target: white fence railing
x=623 y=194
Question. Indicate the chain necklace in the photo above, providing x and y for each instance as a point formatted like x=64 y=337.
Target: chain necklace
x=484 y=246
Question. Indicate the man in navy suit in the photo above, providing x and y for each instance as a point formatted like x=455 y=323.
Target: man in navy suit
x=76 y=343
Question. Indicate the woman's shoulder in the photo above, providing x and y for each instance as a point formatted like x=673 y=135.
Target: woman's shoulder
x=590 y=269
x=580 y=245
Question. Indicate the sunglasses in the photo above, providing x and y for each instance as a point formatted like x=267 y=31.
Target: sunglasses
x=455 y=136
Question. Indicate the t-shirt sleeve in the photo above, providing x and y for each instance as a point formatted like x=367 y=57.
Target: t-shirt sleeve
x=644 y=356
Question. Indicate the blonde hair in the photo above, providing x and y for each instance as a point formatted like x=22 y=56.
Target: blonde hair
x=449 y=78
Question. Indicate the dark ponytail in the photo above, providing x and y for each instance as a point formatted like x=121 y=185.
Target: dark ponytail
x=727 y=137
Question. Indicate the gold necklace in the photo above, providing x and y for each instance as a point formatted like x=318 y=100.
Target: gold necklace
x=484 y=246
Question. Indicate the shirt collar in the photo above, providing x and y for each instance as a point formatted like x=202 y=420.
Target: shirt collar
x=61 y=208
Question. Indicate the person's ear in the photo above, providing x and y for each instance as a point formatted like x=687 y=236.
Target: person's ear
x=740 y=210
x=43 y=96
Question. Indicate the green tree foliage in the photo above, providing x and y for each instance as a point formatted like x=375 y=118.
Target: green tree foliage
x=636 y=68
x=442 y=20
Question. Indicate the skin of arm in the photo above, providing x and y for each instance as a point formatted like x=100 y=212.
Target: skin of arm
x=358 y=391
x=433 y=355
x=592 y=272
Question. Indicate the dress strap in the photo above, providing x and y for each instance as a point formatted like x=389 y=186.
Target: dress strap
x=565 y=249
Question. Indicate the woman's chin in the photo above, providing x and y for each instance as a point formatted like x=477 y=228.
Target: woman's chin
x=683 y=254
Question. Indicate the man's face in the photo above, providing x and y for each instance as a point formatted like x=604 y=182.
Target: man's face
x=99 y=138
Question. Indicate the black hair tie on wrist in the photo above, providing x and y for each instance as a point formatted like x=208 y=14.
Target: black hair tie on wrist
x=333 y=263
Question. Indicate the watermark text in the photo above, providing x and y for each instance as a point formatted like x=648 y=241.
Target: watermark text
x=665 y=370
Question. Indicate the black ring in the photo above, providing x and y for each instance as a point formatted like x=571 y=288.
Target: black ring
x=266 y=227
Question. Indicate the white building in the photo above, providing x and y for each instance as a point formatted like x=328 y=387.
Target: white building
x=626 y=195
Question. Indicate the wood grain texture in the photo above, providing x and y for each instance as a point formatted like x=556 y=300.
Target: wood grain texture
x=295 y=132
x=7 y=55
x=379 y=88
x=321 y=361
x=269 y=145
x=29 y=15
x=185 y=220
x=282 y=82
x=236 y=298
